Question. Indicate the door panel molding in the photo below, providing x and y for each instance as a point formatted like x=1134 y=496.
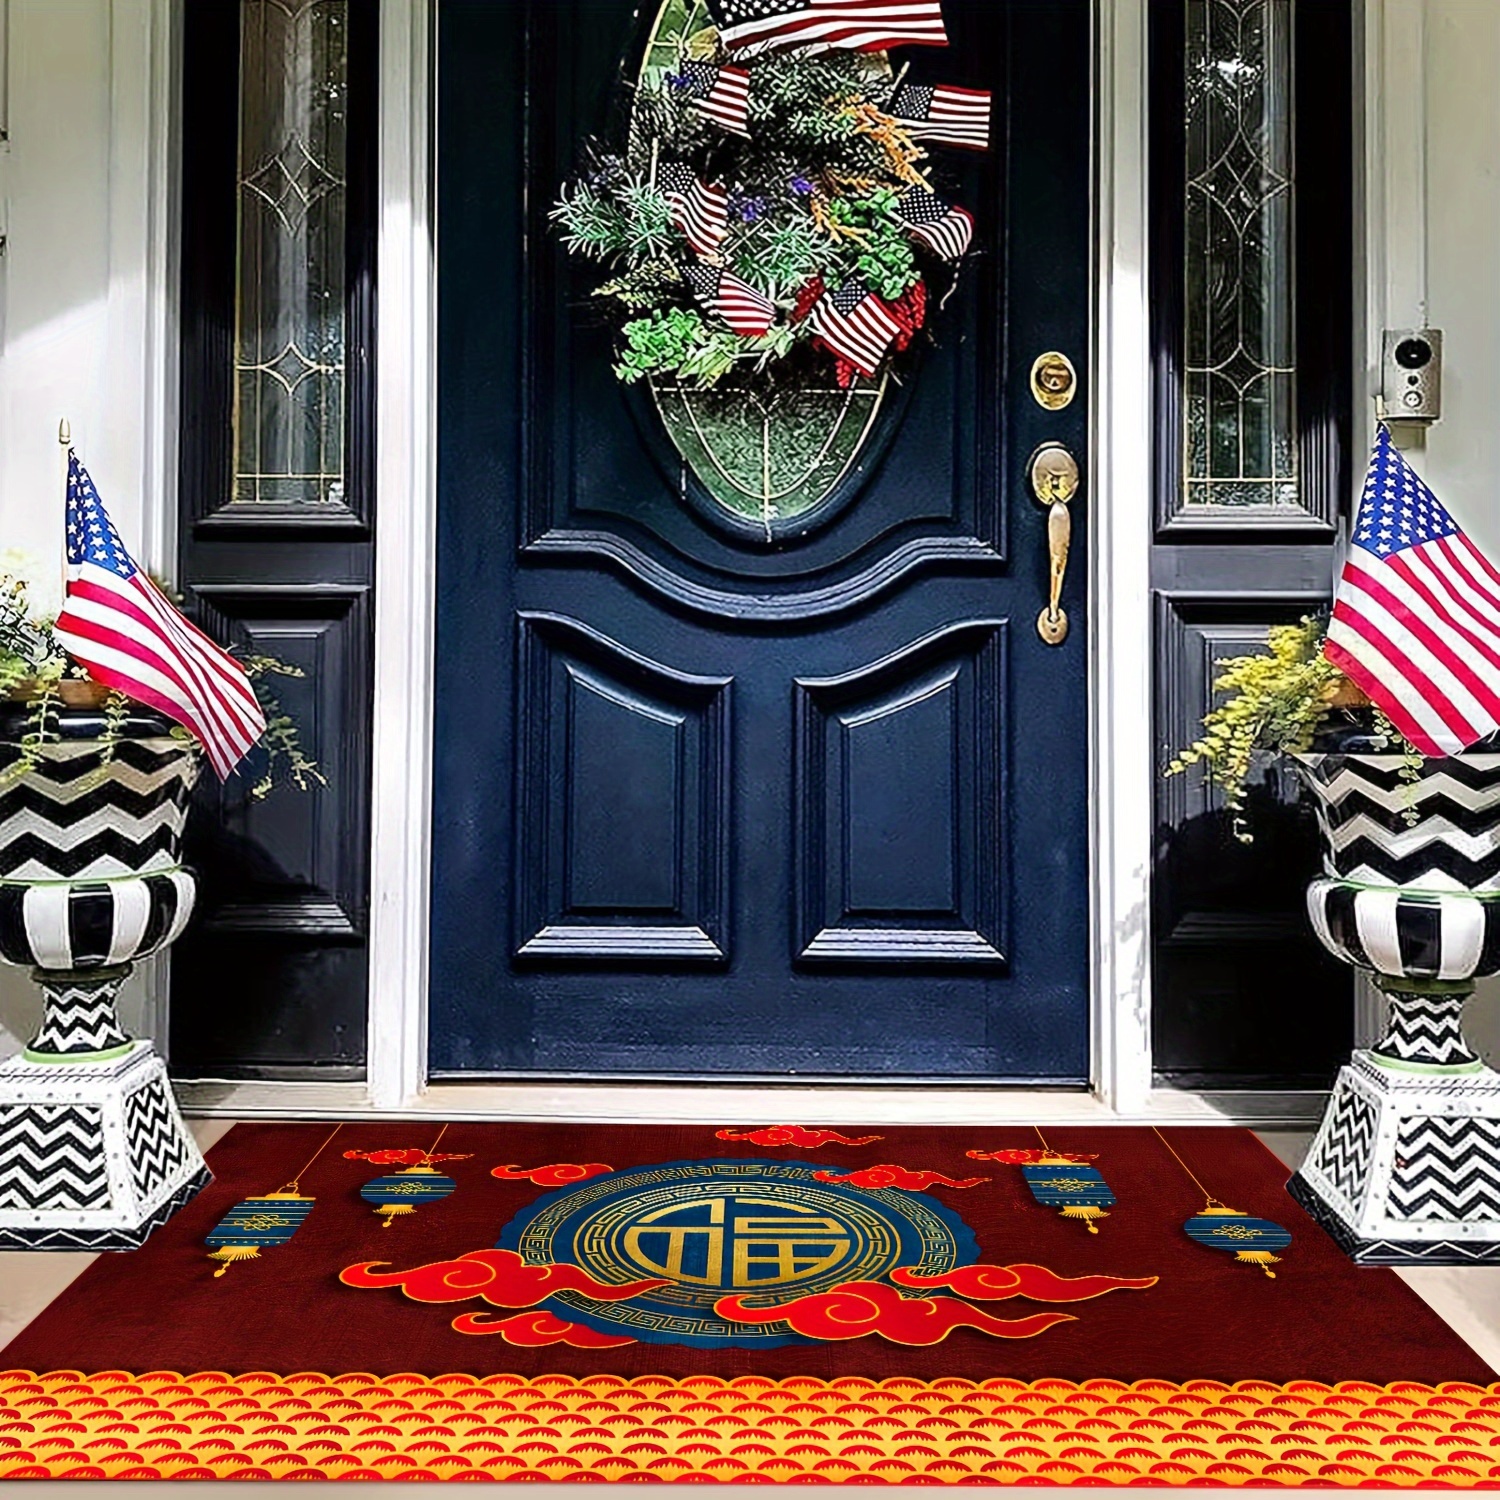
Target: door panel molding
x=1237 y=965
x=318 y=839
x=899 y=789
x=639 y=566
x=622 y=802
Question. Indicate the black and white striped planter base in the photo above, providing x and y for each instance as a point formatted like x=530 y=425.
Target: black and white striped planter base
x=93 y=1155
x=1405 y=1167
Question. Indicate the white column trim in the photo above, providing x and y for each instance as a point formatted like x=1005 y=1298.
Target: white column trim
x=1396 y=165
x=142 y=342
x=405 y=562
x=1390 y=266
x=1120 y=737
x=144 y=234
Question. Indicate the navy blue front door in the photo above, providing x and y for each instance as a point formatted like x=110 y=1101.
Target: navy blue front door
x=714 y=799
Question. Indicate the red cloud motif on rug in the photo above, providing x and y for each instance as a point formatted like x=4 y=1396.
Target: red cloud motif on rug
x=855 y=1309
x=995 y=1283
x=557 y=1174
x=888 y=1174
x=796 y=1135
x=531 y=1330
x=1025 y=1156
x=501 y=1277
x=411 y=1156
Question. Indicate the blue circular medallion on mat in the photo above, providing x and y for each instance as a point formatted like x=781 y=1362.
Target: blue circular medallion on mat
x=768 y=1230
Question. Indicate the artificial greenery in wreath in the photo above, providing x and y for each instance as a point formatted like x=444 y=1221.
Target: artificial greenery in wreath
x=757 y=208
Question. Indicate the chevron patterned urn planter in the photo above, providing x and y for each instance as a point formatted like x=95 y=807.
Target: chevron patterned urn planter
x=1405 y=1167
x=93 y=1151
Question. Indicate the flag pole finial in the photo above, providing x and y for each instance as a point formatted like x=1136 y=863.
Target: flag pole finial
x=64 y=432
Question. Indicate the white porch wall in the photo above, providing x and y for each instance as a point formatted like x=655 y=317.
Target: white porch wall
x=1433 y=229
x=84 y=205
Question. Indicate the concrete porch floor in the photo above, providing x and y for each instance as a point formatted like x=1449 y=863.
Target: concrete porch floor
x=1467 y=1298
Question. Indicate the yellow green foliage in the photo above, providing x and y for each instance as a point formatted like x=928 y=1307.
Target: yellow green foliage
x=1273 y=701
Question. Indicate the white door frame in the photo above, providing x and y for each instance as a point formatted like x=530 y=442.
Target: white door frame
x=1121 y=749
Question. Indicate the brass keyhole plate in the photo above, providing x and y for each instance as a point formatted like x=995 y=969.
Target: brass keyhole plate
x=1054 y=381
x=1053 y=628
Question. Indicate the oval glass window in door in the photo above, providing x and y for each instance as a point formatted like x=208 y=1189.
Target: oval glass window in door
x=771 y=455
x=769 y=230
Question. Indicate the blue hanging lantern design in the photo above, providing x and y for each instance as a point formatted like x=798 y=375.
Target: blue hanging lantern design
x=1252 y=1241
x=1077 y=1190
x=404 y=1191
x=399 y=1193
x=1063 y=1180
x=256 y=1224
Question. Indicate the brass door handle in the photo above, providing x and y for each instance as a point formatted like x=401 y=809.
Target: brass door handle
x=1053 y=472
x=1052 y=623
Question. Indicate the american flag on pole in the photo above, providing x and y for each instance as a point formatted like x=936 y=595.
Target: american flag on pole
x=124 y=630
x=937 y=112
x=745 y=310
x=699 y=209
x=856 y=325
x=722 y=94
x=1416 y=622
x=944 y=228
x=856 y=25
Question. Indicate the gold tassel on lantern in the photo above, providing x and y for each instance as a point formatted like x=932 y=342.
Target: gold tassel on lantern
x=1262 y=1258
x=1087 y=1212
x=229 y=1254
x=255 y=1224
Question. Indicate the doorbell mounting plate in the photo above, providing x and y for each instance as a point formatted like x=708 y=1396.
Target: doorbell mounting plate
x=1411 y=375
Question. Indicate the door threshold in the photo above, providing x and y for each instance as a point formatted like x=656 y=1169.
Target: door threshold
x=838 y=1081
x=760 y=1104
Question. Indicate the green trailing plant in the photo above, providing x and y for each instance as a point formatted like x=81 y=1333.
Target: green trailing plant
x=31 y=666
x=41 y=726
x=1275 y=702
x=286 y=761
x=116 y=711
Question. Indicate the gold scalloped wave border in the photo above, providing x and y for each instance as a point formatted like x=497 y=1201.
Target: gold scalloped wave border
x=162 y=1425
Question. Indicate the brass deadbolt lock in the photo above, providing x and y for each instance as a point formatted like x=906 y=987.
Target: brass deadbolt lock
x=1054 y=381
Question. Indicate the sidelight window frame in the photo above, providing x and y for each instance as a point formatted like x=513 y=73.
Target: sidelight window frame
x=208 y=299
x=1323 y=299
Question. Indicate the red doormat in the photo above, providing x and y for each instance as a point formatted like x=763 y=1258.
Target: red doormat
x=887 y=1305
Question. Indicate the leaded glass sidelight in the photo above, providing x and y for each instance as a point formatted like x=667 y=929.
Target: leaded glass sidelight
x=290 y=282
x=1240 y=355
